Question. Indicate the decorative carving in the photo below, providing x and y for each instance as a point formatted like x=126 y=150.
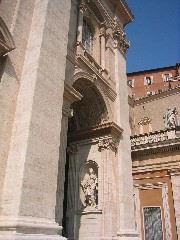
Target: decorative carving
x=108 y=143
x=82 y=6
x=170 y=118
x=120 y=40
x=153 y=137
x=145 y=121
x=89 y=186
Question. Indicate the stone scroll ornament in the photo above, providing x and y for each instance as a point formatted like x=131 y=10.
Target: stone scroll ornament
x=89 y=186
x=170 y=118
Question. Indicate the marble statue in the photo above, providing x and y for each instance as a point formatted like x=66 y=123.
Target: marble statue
x=90 y=188
x=170 y=118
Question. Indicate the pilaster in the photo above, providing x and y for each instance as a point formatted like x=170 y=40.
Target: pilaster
x=175 y=180
x=29 y=191
x=126 y=227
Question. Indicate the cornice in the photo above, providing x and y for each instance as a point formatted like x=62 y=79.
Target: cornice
x=155 y=148
x=105 y=129
x=70 y=94
x=157 y=96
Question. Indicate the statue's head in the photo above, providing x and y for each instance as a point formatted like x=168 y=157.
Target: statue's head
x=91 y=170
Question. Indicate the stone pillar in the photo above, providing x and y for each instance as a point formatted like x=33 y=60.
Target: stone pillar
x=175 y=180
x=80 y=23
x=126 y=228
x=70 y=96
x=103 y=48
x=108 y=190
x=29 y=191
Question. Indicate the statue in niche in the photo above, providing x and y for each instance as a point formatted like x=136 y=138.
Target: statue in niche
x=89 y=186
x=170 y=118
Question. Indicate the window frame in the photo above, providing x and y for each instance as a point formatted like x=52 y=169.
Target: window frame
x=87 y=36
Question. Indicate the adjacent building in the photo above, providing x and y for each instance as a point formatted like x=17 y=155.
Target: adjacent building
x=155 y=146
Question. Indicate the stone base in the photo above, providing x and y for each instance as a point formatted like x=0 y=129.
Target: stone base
x=29 y=228
x=30 y=237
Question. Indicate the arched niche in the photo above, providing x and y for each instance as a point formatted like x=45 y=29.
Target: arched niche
x=6 y=40
x=91 y=110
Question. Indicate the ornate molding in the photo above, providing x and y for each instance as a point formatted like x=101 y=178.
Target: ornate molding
x=120 y=41
x=110 y=130
x=108 y=143
x=157 y=137
x=84 y=58
x=83 y=6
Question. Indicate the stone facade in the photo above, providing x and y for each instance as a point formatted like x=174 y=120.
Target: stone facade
x=65 y=155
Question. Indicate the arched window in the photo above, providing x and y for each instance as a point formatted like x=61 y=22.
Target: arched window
x=87 y=36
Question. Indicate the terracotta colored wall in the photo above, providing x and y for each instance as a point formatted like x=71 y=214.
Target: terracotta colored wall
x=153 y=197
x=140 y=90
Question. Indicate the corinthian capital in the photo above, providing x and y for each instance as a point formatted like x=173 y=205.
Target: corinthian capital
x=120 y=40
x=82 y=6
x=108 y=143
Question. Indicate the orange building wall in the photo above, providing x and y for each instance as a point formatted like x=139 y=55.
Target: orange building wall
x=153 y=197
x=140 y=90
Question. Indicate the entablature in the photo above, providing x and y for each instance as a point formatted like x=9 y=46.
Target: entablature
x=155 y=142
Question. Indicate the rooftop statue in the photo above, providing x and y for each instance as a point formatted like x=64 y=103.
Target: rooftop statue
x=170 y=118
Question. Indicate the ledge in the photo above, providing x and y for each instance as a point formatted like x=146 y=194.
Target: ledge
x=104 y=129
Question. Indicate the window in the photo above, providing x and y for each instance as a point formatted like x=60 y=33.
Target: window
x=150 y=93
x=152 y=223
x=130 y=82
x=148 y=80
x=87 y=36
x=166 y=77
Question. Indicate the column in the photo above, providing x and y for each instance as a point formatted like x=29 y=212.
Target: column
x=108 y=188
x=126 y=223
x=175 y=180
x=62 y=162
x=70 y=96
x=29 y=191
x=103 y=48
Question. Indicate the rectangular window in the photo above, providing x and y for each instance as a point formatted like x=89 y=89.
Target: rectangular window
x=87 y=36
x=148 y=80
x=166 y=77
x=130 y=82
x=152 y=223
x=150 y=93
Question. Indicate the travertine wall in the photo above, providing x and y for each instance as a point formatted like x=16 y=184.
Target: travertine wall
x=29 y=186
x=17 y=16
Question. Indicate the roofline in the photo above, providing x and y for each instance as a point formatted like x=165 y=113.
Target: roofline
x=152 y=70
x=128 y=10
x=123 y=6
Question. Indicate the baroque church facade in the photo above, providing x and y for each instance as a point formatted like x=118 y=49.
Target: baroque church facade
x=66 y=170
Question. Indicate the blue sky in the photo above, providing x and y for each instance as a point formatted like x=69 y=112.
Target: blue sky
x=154 y=34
